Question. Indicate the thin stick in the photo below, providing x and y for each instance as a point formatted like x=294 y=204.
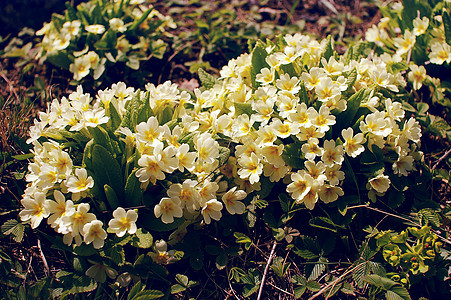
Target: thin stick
x=441 y=158
x=260 y=290
x=46 y=266
x=278 y=288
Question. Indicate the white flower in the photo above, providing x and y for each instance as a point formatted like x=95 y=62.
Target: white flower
x=117 y=25
x=212 y=210
x=74 y=221
x=353 y=143
x=231 y=201
x=96 y=29
x=94 y=233
x=80 y=68
x=35 y=209
x=167 y=209
x=417 y=75
x=329 y=193
x=380 y=183
x=420 y=25
x=207 y=148
x=300 y=186
x=185 y=194
x=151 y=169
x=80 y=182
x=123 y=222
x=251 y=168
x=440 y=52
x=58 y=208
x=332 y=154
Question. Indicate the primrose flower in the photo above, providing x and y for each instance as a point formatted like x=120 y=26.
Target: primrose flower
x=73 y=222
x=322 y=119
x=231 y=201
x=167 y=209
x=95 y=117
x=405 y=43
x=420 y=25
x=123 y=222
x=149 y=132
x=212 y=210
x=313 y=77
x=95 y=29
x=334 y=175
x=417 y=75
x=58 y=208
x=332 y=154
x=329 y=193
x=266 y=76
x=99 y=272
x=288 y=84
x=251 y=168
x=300 y=185
x=94 y=233
x=151 y=169
x=185 y=194
x=161 y=255
x=80 y=182
x=403 y=165
x=71 y=28
x=80 y=68
x=353 y=143
x=117 y=25
x=35 y=209
x=207 y=148
x=380 y=183
x=440 y=52
x=311 y=149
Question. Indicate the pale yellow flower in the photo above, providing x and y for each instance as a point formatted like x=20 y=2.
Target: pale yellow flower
x=123 y=222
x=94 y=233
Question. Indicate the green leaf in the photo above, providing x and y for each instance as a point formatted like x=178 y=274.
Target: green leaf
x=107 y=42
x=177 y=288
x=409 y=13
x=324 y=223
x=111 y=196
x=242 y=108
x=293 y=156
x=14 y=228
x=221 y=261
x=243 y=239
x=360 y=272
x=329 y=51
x=145 y=239
x=207 y=80
x=447 y=25
x=148 y=295
x=428 y=215
x=59 y=59
x=352 y=77
x=101 y=137
x=259 y=55
x=298 y=292
x=139 y=21
x=107 y=171
x=401 y=292
x=70 y=12
x=133 y=193
x=135 y=290
x=346 y=118
x=313 y=286
x=318 y=269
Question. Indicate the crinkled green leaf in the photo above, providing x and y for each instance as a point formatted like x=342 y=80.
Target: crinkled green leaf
x=133 y=193
x=259 y=55
x=207 y=80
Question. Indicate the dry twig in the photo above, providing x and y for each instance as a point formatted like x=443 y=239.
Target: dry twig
x=271 y=255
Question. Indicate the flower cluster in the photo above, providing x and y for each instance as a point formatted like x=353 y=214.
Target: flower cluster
x=87 y=40
x=422 y=42
x=288 y=117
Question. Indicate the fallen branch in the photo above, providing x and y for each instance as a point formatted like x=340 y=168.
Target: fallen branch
x=271 y=255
